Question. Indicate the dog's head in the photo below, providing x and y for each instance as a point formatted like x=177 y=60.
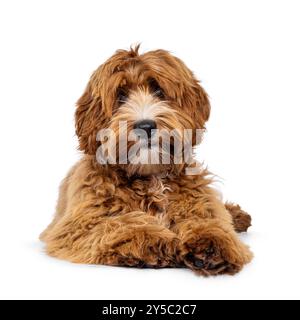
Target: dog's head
x=147 y=91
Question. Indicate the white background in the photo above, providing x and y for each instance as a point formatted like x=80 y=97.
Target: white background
x=247 y=55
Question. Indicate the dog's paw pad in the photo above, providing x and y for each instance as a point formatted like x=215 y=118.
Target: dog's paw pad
x=193 y=260
x=199 y=263
x=208 y=261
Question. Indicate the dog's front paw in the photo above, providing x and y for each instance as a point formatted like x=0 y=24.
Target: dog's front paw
x=214 y=251
x=206 y=258
x=144 y=246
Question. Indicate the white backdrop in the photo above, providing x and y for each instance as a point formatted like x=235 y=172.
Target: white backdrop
x=247 y=55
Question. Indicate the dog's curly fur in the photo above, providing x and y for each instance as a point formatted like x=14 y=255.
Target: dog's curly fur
x=144 y=215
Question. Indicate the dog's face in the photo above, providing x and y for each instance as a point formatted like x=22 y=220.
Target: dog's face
x=151 y=91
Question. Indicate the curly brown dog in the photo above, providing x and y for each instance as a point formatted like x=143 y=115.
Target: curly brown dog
x=141 y=214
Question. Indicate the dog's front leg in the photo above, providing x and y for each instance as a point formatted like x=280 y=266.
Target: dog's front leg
x=131 y=239
x=209 y=243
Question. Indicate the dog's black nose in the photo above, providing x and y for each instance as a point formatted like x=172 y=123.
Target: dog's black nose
x=146 y=125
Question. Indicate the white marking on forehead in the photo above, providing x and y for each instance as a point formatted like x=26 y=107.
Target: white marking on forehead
x=146 y=111
x=142 y=105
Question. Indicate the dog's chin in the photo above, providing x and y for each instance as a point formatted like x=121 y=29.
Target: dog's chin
x=142 y=167
x=147 y=169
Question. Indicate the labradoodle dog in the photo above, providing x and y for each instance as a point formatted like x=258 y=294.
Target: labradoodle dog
x=131 y=211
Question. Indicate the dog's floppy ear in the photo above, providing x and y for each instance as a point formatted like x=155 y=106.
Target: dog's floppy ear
x=88 y=118
x=202 y=105
x=189 y=92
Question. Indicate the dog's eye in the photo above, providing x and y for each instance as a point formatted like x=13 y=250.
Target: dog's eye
x=156 y=89
x=122 y=95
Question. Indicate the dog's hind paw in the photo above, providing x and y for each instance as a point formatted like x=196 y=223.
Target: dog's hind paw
x=241 y=219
